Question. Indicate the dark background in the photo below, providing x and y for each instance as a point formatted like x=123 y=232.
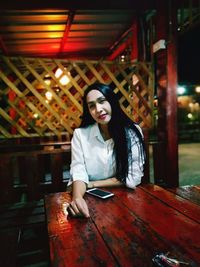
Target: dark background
x=189 y=57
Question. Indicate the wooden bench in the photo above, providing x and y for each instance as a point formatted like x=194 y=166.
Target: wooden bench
x=28 y=172
x=9 y=240
x=22 y=228
x=23 y=172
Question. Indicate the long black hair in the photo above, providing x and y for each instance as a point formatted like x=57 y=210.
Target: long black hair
x=117 y=127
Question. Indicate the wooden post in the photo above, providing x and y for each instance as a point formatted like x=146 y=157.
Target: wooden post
x=166 y=77
x=134 y=50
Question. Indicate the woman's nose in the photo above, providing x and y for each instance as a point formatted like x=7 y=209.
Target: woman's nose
x=98 y=107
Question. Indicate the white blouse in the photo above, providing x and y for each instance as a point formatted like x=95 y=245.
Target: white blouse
x=94 y=159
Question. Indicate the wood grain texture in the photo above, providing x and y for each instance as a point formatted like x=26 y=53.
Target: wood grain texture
x=128 y=229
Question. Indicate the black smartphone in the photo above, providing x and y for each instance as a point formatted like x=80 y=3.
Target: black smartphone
x=99 y=193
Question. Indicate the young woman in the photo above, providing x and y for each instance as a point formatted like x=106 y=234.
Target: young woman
x=107 y=148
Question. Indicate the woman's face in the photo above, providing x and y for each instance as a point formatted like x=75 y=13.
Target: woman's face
x=99 y=107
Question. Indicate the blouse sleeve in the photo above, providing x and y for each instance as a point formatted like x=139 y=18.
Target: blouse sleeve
x=136 y=161
x=77 y=167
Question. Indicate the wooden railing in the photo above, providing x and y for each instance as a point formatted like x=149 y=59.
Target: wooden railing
x=30 y=171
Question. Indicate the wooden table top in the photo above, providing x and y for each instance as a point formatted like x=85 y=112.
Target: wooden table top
x=128 y=229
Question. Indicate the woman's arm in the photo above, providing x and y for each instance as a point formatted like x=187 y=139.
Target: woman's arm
x=78 y=206
x=110 y=182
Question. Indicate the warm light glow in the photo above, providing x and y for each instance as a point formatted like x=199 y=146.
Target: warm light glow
x=48 y=95
x=196 y=106
x=189 y=115
x=181 y=90
x=191 y=105
x=63 y=79
x=122 y=58
x=197 y=89
x=35 y=115
x=58 y=73
x=47 y=81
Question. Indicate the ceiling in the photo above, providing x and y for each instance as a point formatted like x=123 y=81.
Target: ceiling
x=67 y=29
x=63 y=33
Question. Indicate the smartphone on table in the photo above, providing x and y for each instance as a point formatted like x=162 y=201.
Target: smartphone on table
x=99 y=193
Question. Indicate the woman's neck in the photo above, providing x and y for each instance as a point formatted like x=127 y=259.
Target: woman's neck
x=104 y=131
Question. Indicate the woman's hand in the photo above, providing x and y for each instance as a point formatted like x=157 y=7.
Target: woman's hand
x=78 y=207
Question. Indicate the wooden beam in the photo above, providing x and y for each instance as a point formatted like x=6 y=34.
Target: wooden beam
x=120 y=49
x=67 y=30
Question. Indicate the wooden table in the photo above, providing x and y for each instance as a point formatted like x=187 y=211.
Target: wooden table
x=126 y=230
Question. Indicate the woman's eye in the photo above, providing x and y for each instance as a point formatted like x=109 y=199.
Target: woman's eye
x=102 y=101
x=90 y=106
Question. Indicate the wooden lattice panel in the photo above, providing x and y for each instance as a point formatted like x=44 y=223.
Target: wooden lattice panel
x=26 y=111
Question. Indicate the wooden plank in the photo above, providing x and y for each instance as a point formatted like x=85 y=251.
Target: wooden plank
x=176 y=202
x=73 y=242
x=133 y=231
x=128 y=226
x=36 y=152
x=170 y=225
x=189 y=192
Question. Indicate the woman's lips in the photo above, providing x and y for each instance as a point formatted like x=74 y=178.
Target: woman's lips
x=102 y=117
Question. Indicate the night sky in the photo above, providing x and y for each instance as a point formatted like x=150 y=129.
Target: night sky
x=189 y=57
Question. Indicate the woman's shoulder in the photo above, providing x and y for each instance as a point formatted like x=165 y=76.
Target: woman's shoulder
x=131 y=130
x=83 y=131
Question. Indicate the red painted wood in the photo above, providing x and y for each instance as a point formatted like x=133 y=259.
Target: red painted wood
x=134 y=50
x=176 y=229
x=126 y=230
x=73 y=242
x=171 y=101
x=166 y=76
x=178 y=203
x=23 y=169
x=191 y=193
